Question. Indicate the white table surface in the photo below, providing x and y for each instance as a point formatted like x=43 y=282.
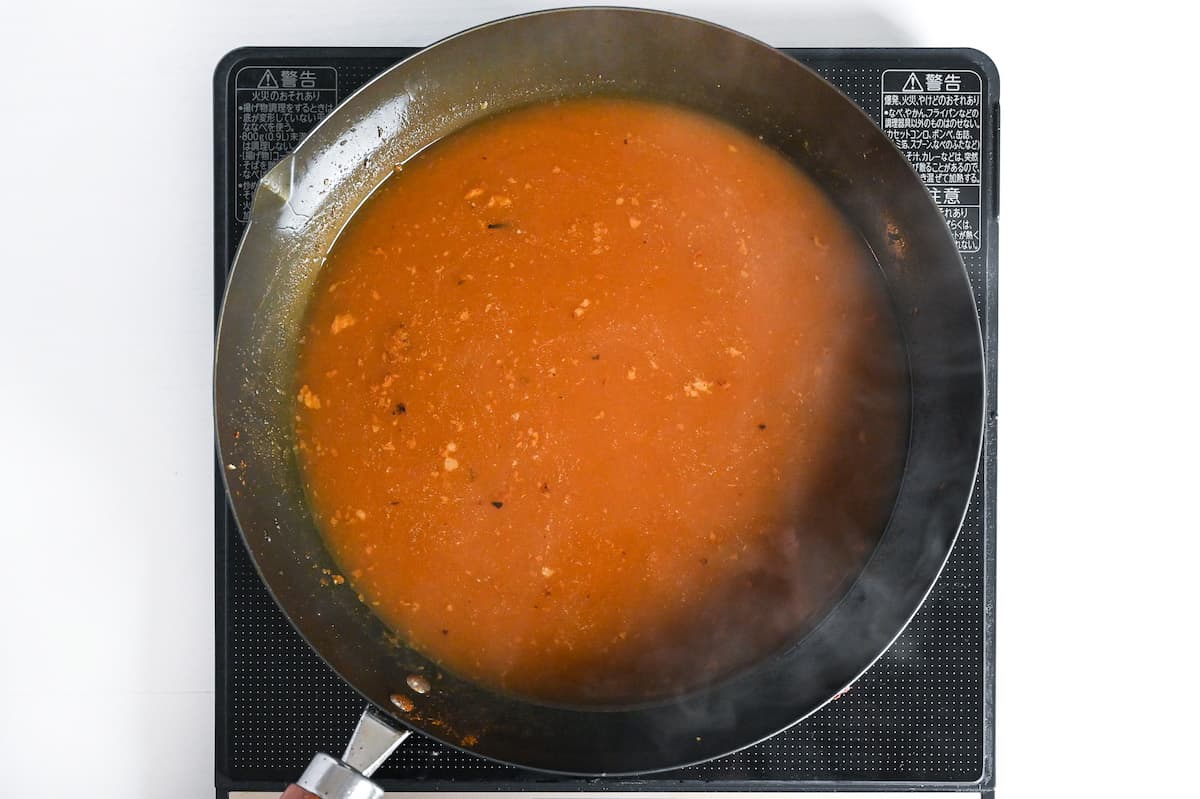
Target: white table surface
x=106 y=583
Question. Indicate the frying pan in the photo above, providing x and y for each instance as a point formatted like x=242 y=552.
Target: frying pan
x=303 y=203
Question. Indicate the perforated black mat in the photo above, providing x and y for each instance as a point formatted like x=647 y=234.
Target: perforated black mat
x=920 y=717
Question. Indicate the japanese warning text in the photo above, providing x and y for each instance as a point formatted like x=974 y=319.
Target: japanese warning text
x=275 y=107
x=935 y=117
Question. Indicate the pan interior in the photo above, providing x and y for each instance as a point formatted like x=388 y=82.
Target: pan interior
x=600 y=401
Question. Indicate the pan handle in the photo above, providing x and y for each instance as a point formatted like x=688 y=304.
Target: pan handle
x=330 y=778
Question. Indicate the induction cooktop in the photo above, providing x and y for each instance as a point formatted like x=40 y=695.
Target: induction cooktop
x=922 y=718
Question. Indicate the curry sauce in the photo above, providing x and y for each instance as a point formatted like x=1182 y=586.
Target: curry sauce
x=599 y=401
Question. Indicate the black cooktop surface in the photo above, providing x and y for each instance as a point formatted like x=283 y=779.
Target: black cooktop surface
x=921 y=717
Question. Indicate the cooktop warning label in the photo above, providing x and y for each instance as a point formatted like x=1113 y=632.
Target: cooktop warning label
x=273 y=110
x=935 y=117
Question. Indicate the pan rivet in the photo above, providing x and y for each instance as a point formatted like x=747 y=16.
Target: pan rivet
x=418 y=683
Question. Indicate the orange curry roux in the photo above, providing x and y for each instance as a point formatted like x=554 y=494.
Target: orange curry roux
x=600 y=400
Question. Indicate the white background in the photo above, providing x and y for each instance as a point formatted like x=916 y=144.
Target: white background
x=106 y=644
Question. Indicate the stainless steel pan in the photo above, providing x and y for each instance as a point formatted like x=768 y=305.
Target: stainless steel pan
x=303 y=203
